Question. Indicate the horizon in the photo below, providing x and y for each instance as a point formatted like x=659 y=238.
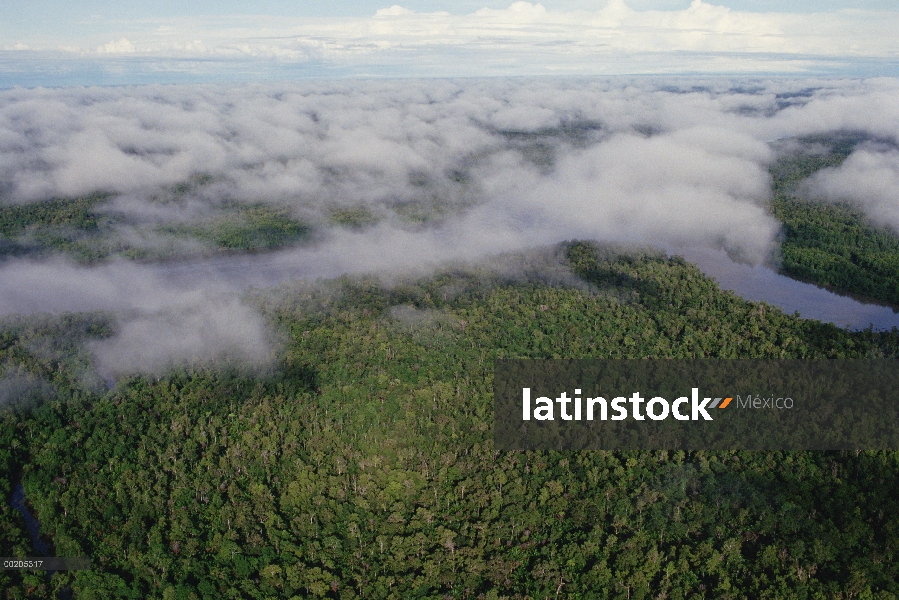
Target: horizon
x=101 y=43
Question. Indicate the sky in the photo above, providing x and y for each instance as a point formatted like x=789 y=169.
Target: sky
x=103 y=42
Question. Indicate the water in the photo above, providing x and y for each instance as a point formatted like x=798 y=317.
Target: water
x=61 y=286
x=17 y=501
x=761 y=283
x=757 y=283
x=40 y=547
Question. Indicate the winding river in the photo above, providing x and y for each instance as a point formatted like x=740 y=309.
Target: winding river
x=59 y=286
x=761 y=283
x=756 y=283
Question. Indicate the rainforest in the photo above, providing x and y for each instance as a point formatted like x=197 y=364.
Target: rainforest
x=325 y=427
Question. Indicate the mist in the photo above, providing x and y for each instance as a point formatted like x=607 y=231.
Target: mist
x=868 y=179
x=431 y=171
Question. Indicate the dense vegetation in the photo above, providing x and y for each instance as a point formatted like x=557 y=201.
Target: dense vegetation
x=364 y=465
x=60 y=225
x=833 y=245
x=254 y=227
x=87 y=230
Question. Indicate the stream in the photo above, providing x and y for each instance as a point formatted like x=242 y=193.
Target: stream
x=17 y=501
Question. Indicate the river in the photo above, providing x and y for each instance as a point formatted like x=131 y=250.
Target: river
x=762 y=283
x=58 y=286
x=757 y=283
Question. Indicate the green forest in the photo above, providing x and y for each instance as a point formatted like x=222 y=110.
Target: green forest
x=832 y=244
x=364 y=465
x=87 y=230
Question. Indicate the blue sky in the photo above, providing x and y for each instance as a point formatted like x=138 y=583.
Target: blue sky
x=56 y=43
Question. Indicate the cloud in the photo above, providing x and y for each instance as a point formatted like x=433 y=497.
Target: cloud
x=163 y=318
x=868 y=178
x=488 y=149
x=636 y=189
x=517 y=13
x=524 y=38
x=430 y=172
x=18 y=386
x=394 y=11
x=120 y=46
x=868 y=107
x=193 y=331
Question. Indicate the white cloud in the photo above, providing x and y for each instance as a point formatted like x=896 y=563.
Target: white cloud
x=524 y=38
x=517 y=13
x=198 y=331
x=162 y=319
x=449 y=170
x=868 y=178
x=394 y=11
x=120 y=46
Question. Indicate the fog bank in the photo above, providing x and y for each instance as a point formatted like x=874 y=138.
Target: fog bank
x=400 y=177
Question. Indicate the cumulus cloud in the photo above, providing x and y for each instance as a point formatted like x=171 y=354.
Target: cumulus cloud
x=435 y=171
x=120 y=46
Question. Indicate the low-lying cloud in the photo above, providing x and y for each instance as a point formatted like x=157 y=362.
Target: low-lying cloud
x=434 y=171
x=161 y=318
x=869 y=179
x=195 y=331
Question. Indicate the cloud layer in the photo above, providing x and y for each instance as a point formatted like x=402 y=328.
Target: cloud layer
x=403 y=176
x=522 y=39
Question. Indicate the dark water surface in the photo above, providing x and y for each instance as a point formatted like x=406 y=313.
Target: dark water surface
x=121 y=285
x=761 y=283
x=757 y=283
x=17 y=501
